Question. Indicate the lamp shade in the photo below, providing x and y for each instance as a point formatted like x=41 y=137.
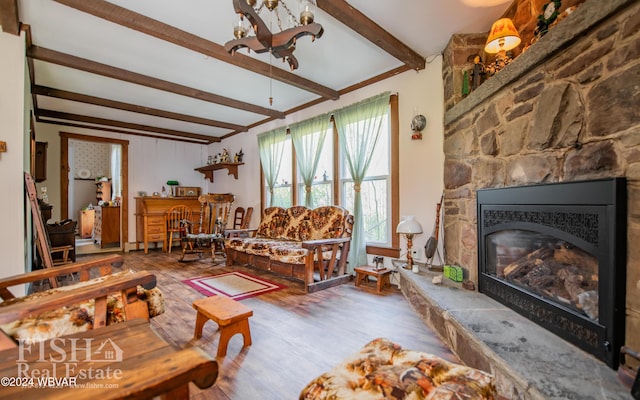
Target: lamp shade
x=503 y=36
x=409 y=225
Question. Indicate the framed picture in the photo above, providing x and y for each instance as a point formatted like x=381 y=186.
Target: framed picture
x=187 y=191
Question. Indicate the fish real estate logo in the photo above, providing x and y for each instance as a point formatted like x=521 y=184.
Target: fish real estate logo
x=65 y=362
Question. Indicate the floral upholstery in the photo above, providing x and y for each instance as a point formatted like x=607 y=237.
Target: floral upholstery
x=384 y=370
x=77 y=317
x=282 y=231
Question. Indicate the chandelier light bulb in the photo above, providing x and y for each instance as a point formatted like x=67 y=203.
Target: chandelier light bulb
x=252 y=3
x=270 y=4
x=239 y=30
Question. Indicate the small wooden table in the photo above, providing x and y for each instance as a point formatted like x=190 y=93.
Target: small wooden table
x=382 y=276
x=124 y=360
x=231 y=316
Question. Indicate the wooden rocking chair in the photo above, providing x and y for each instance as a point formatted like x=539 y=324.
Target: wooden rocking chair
x=214 y=213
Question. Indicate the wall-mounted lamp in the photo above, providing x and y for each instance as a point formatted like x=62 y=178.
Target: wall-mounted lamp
x=409 y=227
x=502 y=38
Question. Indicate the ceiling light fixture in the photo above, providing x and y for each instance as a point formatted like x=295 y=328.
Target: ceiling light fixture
x=280 y=44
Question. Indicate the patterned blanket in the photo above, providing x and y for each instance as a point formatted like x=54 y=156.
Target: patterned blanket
x=384 y=370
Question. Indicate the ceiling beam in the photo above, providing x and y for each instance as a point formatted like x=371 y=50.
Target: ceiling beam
x=67 y=60
x=109 y=122
x=83 y=98
x=100 y=128
x=360 y=23
x=160 y=30
x=9 y=21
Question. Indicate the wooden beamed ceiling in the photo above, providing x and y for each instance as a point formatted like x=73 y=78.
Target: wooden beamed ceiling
x=9 y=20
x=339 y=9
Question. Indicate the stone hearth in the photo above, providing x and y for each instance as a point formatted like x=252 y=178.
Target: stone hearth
x=528 y=361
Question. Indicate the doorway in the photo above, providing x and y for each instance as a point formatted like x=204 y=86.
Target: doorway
x=73 y=176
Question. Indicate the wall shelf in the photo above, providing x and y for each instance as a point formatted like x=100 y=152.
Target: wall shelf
x=208 y=170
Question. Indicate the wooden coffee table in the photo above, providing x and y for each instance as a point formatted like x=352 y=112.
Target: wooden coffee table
x=231 y=316
x=382 y=276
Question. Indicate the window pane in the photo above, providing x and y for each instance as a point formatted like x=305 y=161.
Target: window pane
x=282 y=194
x=381 y=157
x=375 y=210
x=321 y=194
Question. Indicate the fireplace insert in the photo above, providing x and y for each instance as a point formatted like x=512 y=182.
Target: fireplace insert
x=556 y=253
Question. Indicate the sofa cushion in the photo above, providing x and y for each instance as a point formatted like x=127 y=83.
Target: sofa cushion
x=77 y=317
x=328 y=222
x=295 y=227
x=384 y=370
x=272 y=223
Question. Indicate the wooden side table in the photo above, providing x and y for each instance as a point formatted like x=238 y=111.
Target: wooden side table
x=382 y=276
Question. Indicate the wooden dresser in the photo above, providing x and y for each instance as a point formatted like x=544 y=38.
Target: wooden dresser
x=150 y=213
x=106 y=227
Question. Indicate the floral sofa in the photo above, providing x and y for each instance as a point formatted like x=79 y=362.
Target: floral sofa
x=311 y=245
x=384 y=370
x=80 y=306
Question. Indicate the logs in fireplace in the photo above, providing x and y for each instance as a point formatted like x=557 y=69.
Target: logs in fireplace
x=556 y=254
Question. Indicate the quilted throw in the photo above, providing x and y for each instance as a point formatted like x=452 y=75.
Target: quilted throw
x=384 y=370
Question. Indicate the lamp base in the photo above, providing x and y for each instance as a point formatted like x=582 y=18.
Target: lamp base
x=501 y=61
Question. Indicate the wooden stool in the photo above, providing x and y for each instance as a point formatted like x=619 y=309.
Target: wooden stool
x=382 y=276
x=231 y=316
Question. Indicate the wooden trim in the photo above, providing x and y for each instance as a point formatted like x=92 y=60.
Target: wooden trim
x=83 y=64
x=157 y=29
x=360 y=23
x=83 y=98
x=64 y=178
x=395 y=168
x=109 y=122
x=99 y=128
x=383 y=251
x=9 y=19
x=337 y=187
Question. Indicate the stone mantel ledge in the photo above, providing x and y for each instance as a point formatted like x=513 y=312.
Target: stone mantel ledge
x=590 y=13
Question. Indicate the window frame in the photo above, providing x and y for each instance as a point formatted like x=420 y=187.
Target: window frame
x=394 y=177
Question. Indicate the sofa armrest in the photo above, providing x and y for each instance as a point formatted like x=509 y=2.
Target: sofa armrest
x=313 y=244
x=126 y=284
x=104 y=265
x=234 y=233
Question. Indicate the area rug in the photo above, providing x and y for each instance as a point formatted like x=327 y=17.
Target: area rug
x=235 y=285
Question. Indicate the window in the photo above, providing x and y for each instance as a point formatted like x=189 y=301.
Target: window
x=282 y=193
x=332 y=182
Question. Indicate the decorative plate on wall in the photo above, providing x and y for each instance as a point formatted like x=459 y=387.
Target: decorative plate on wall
x=84 y=173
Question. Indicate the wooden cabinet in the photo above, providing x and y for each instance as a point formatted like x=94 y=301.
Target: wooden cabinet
x=150 y=211
x=87 y=218
x=106 y=227
x=103 y=191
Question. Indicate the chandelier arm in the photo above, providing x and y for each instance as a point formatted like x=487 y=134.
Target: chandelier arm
x=261 y=30
x=250 y=42
x=285 y=38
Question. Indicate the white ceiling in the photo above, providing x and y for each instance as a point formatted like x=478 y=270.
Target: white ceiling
x=337 y=60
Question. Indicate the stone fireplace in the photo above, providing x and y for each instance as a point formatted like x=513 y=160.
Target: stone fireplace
x=565 y=110
x=556 y=254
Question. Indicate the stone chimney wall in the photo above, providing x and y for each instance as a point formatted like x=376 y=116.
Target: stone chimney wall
x=567 y=109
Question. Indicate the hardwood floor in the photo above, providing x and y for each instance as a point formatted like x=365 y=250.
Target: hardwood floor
x=296 y=336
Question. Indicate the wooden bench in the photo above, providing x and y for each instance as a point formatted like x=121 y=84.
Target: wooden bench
x=231 y=316
x=137 y=364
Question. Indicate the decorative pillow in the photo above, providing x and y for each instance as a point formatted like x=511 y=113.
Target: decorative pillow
x=383 y=370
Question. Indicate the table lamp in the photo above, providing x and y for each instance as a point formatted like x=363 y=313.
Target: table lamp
x=502 y=38
x=409 y=227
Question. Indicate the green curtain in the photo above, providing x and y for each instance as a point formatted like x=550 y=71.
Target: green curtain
x=358 y=132
x=271 y=148
x=308 y=139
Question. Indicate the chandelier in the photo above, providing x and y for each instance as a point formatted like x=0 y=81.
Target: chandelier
x=279 y=44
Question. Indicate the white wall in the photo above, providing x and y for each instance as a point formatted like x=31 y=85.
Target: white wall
x=13 y=131
x=421 y=161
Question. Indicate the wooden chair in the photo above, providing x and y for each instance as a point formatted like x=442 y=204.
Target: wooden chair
x=43 y=244
x=242 y=218
x=173 y=222
x=214 y=214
